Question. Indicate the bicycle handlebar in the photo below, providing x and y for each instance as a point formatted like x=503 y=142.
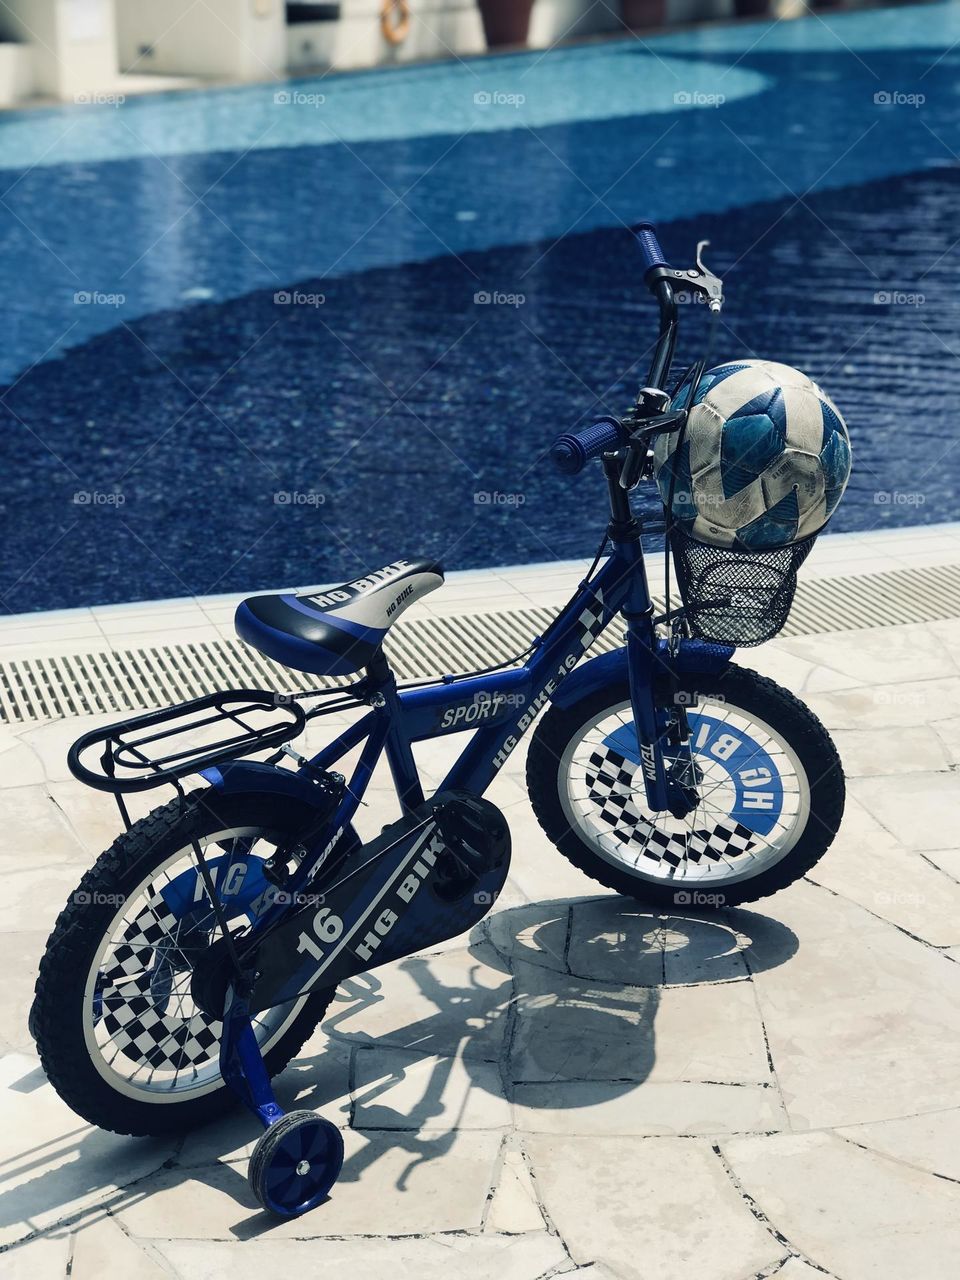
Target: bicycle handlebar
x=646 y=235
x=573 y=450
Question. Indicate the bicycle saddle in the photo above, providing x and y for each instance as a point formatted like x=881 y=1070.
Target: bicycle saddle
x=335 y=632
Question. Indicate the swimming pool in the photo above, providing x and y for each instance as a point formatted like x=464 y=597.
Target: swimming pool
x=277 y=334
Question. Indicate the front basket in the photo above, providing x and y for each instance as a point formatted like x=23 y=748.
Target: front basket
x=736 y=597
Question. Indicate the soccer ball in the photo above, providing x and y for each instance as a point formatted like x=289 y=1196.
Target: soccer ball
x=763 y=462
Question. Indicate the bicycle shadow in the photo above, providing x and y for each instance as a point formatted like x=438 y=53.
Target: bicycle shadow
x=541 y=998
x=560 y=995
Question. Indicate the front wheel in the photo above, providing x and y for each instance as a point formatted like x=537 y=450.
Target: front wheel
x=769 y=780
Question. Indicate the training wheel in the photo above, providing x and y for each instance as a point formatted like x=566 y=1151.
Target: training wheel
x=295 y=1163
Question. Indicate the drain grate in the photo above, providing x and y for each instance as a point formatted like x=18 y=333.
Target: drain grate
x=104 y=681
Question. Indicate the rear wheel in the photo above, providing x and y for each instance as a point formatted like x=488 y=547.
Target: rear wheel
x=119 y=1034
x=770 y=784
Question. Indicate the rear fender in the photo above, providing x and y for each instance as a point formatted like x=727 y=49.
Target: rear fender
x=237 y=776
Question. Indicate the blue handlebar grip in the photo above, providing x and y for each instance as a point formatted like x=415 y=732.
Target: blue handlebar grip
x=649 y=245
x=573 y=450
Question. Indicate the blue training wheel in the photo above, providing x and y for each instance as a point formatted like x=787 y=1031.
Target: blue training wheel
x=295 y=1163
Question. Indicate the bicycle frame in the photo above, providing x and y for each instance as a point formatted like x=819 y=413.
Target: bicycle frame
x=500 y=706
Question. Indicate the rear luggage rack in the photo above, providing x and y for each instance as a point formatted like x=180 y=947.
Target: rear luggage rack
x=148 y=750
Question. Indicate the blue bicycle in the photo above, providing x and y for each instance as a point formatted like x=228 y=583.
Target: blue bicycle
x=202 y=949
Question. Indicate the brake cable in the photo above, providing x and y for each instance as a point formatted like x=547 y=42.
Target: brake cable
x=698 y=370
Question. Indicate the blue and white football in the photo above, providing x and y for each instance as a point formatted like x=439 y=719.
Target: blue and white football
x=764 y=460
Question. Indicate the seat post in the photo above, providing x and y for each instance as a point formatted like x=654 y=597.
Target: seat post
x=403 y=767
x=379 y=672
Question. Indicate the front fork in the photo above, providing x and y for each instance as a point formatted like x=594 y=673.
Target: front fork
x=663 y=738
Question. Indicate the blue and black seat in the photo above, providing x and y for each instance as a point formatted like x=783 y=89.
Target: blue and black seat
x=339 y=631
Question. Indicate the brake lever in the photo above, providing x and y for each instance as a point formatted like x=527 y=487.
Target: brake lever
x=699 y=278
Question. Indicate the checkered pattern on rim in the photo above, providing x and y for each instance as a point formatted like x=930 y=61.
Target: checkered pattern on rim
x=141 y=1024
x=611 y=781
x=156 y=923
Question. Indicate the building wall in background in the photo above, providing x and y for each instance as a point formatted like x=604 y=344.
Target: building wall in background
x=77 y=49
x=57 y=48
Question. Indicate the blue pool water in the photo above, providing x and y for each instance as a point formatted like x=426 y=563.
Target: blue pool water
x=219 y=439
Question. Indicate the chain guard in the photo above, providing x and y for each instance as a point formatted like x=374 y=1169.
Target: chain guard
x=428 y=877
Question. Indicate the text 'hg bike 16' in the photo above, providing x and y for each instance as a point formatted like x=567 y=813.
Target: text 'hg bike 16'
x=204 y=946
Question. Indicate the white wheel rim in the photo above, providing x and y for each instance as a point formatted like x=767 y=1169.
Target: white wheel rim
x=130 y=1040
x=737 y=831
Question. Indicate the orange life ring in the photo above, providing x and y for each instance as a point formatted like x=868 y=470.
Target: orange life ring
x=395 y=21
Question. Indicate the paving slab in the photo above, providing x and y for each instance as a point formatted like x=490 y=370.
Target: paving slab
x=33 y=899
x=46 y=1258
x=908 y=888
x=945 y=860
x=852 y=1212
x=61 y=1168
x=907 y=704
x=919 y=810
x=575 y=1029
x=471 y=1257
x=514 y=1208
x=20 y=766
x=102 y=1249
x=452 y=1003
x=37 y=833
x=392 y=1184
x=929 y=1142
x=850 y=1039
x=19 y=959
x=651 y=1109
x=797 y=1269
x=867 y=754
x=886 y=655
x=402 y=1089
x=683 y=1215
x=948 y=732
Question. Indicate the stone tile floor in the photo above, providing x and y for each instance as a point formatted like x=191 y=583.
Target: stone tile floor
x=579 y=1085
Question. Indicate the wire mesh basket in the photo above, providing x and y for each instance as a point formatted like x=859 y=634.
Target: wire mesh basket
x=736 y=597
